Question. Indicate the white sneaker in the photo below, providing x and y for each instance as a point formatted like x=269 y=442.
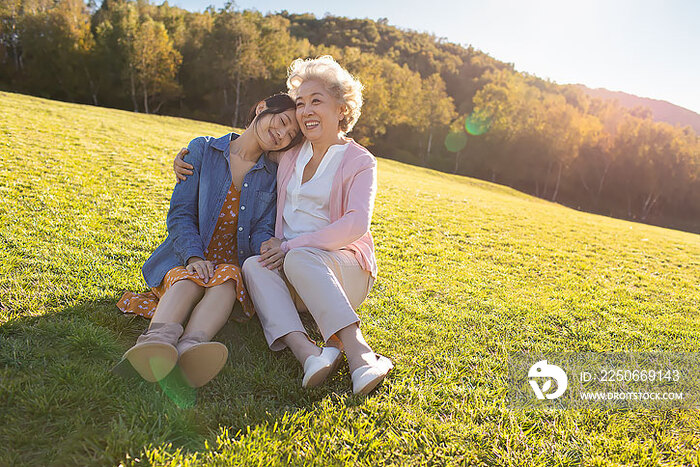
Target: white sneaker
x=368 y=377
x=317 y=369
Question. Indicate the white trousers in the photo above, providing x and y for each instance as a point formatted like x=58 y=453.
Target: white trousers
x=329 y=284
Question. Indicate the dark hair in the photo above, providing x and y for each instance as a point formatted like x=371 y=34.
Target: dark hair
x=276 y=104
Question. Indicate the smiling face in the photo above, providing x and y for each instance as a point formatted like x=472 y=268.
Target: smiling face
x=318 y=112
x=276 y=131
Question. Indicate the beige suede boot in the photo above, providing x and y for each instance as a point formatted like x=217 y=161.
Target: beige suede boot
x=155 y=355
x=200 y=360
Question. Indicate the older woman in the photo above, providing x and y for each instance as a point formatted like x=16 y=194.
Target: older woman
x=322 y=255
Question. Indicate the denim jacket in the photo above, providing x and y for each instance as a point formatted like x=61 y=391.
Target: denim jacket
x=196 y=203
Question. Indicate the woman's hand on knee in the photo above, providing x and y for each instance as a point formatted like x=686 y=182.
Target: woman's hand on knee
x=203 y=268
x=271 y=242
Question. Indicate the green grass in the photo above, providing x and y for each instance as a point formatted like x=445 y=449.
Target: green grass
x=469 y=271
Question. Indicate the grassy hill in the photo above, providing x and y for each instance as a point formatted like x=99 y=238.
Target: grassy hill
x=469 y=271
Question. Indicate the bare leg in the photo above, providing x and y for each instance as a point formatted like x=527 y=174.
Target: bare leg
x=177 y=302
x=333 y=341
x=301 y=346
x=213 y=310
x=357 y=351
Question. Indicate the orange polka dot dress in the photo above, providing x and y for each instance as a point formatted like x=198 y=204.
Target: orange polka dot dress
x=221 y=251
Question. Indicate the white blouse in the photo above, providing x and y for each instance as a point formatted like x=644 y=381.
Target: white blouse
x=306 y=207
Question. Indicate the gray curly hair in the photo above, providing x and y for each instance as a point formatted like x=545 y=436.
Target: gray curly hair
x=346 y=88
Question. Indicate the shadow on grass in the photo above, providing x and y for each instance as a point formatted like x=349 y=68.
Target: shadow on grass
x=61 y=404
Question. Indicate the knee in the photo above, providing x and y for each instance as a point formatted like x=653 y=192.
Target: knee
x=296 y=261
x=251 y=266
x=228 y=287
x=187 y=290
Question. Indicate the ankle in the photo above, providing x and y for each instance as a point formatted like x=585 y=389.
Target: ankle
x=309 y=350
x=301 y=346
x=197 y=336
x=334 y=341
x=167 y=333
x=358 y=360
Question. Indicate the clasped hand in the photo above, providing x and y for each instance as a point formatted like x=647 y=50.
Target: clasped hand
x=271 y=254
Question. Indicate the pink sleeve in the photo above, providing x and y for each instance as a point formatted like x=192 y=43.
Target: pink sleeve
x=353 y=224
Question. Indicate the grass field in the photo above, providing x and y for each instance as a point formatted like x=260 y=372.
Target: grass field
x=469 y=271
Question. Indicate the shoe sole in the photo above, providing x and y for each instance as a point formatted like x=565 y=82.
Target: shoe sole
x=320 y=376
x=369 y=387
x=202 y=362
x=317 y=378
x=373 y=383
x=153 y=361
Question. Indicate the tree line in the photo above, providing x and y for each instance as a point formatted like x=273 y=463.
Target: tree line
x=427 y=101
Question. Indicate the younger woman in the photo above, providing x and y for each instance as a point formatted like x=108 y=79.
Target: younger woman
x=218 y=217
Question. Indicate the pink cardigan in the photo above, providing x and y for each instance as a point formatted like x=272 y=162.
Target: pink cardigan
x=351 y=202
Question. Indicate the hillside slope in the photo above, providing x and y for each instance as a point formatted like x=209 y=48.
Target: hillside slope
x=661 y=111
x=469 y=271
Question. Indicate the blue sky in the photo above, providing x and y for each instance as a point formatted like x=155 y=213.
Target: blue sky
x=647 y=48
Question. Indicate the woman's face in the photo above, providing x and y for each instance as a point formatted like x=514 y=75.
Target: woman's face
x=318 y=112
x=276 y=131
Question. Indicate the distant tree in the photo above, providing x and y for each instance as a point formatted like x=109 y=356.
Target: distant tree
x=10 y=45
x=155 y=63
x=597 y=155
x=565 y=131
x=235 y=57
x=276 y=48
x=376 y=75
x=653 y=161
x=51 y=43
x=115 y=25
x=516 y=117
x=436 y=110
x=195 y=74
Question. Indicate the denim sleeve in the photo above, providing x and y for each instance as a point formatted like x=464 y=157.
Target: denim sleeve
x=182 y=221
x=264 y=227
